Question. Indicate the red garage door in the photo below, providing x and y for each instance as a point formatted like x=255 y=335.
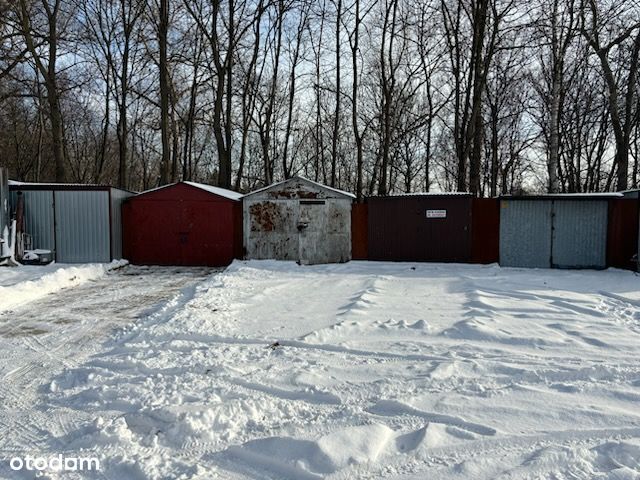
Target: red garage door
x=179 y=225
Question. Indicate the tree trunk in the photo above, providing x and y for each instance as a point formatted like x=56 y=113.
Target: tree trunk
x=165 y=128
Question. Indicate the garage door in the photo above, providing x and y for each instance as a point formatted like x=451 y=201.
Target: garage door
x=82 y=226
x=579 y=234
x=525 y=233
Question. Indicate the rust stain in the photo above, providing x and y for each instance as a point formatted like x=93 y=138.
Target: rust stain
x=263 y=216
x=294 y=193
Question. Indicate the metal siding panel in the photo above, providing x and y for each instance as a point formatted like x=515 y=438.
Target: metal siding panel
x=525 y=233
x=622 y=233
x=485 y=230
x=359 y=231
x=38 y=217
x=82 y=226
x=399 y=229
x=580 y=234
x=117 y=197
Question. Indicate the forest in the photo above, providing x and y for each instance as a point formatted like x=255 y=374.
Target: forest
x=376 y=97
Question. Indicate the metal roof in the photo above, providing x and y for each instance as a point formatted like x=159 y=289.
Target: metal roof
x=424 y=194
x=216 y=190
x=15 y=186
x=299 y=177
x=221 y=192
x=564 y=196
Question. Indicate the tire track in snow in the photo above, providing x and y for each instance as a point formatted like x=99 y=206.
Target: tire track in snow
x=111 y=301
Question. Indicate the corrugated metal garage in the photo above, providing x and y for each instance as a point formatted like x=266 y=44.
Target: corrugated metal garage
x=184 y=223
x=559 y=231
x=420 y=228
x=78 y=223
x=300 y=220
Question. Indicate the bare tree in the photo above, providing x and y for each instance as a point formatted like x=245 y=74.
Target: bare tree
x=622 y=89
x=44 y=20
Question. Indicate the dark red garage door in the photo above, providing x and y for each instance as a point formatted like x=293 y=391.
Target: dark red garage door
x=181 y=225
x=423 y=228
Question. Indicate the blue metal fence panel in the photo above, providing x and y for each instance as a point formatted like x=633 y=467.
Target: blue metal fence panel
x=580 y=234
x=525 y=233
x=82 y=226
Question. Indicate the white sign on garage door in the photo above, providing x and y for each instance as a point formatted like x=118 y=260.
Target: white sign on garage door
x=436 y=214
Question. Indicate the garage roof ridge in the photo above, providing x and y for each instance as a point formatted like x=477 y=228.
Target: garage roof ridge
x=300 y=177
x=221 y=192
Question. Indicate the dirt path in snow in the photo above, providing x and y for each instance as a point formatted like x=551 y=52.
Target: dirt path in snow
x=34 y=340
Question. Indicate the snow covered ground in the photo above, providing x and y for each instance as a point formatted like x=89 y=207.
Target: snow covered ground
x=363 y=370
x=24 y=284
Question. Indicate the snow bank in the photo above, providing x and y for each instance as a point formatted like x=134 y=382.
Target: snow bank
x=20 y=285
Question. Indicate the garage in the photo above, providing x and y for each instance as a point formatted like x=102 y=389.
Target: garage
x=554 y=231
x=185 y=223
x=76 y=223
x=298 y=220
x=420 y=228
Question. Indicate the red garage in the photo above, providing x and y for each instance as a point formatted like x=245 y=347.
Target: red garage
x=184 y=223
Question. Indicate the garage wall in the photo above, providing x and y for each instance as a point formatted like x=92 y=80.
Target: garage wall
x=360 y=231
x=298 y=220
x=485 y=230
x=181 y=225
x=554 y=232
x=38 y=217
x=82 y=226
x=579 y=234
x=116 y=197
x=525 y=233
x=622 y=241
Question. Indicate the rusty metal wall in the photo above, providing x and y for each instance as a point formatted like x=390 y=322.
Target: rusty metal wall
x=297 y=220
x=401 y=229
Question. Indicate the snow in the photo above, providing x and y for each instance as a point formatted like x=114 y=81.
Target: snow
x=271 y=370
x=222 y=192
x=320 y=185
x=24 y=284
x=217 y=190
